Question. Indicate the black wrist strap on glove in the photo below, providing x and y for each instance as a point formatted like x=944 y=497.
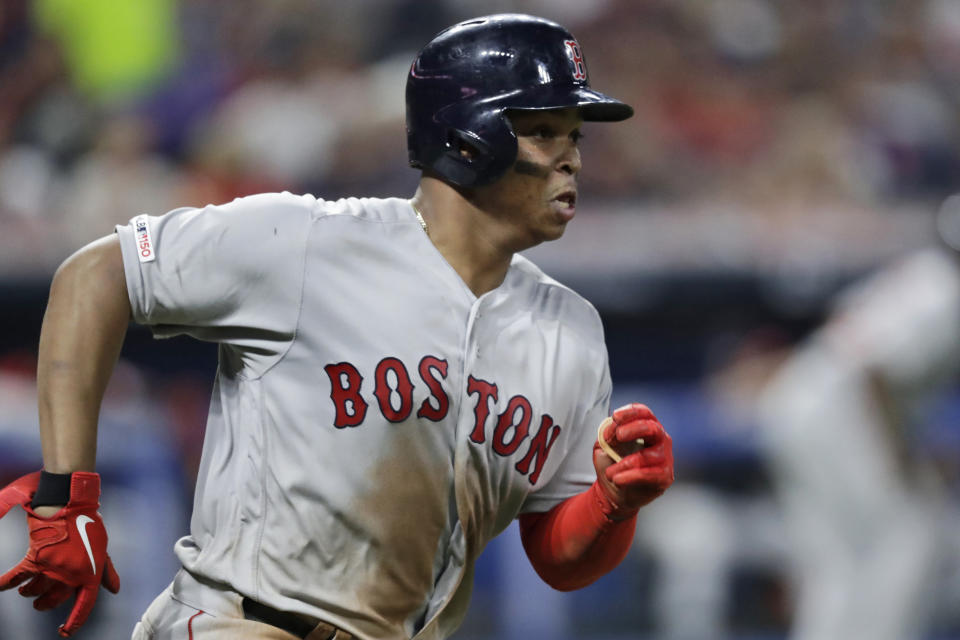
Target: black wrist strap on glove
x=53 y=490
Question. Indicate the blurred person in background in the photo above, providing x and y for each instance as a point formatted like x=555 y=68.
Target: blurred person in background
x=864 y=504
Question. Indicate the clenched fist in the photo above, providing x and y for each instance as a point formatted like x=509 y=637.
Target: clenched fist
x=645 y=470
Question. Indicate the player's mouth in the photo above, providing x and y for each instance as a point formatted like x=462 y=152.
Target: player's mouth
x=565 y=204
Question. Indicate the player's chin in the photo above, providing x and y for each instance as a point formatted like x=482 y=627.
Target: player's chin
x=551 y=232
x=554 y=225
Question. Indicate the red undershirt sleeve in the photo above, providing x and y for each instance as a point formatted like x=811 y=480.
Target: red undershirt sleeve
x=579 y=540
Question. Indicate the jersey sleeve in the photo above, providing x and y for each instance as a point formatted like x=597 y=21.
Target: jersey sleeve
x=231 y=273
x=576 y=473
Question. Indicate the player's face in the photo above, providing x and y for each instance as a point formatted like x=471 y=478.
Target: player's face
x=537 y=196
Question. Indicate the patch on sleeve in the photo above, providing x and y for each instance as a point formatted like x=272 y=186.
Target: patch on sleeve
x=141 y=231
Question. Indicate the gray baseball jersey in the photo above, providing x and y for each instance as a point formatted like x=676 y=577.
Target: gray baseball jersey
x=373 y=423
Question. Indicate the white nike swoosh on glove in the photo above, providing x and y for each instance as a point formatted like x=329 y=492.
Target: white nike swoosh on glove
x=82 y=522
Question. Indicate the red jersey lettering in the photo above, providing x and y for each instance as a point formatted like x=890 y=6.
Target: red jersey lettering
x=486 y=391
x=345 y=383
x=428 y=365
x=539 y=448
x=506 y=423
x=384 y=391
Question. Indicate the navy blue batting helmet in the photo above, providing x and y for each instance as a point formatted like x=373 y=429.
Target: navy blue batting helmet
x=467 y=77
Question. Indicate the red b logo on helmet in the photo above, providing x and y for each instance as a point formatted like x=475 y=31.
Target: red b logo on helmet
x=579 y=69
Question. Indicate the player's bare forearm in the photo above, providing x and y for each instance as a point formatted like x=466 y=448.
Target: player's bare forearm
x=576 y=542
x=80 y=340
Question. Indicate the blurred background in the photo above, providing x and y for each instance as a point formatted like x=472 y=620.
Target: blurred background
x=782 y=151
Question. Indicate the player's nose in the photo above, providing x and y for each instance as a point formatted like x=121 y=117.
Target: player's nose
x=570 y=162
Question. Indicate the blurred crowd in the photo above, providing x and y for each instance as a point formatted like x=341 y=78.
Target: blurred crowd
x=757 y=120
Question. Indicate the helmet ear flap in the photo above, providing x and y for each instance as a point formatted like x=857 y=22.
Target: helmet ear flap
x=480 y=154
x=467 y=146
x=463 y=159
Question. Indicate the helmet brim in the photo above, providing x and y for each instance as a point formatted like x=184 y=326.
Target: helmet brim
x=593 y=105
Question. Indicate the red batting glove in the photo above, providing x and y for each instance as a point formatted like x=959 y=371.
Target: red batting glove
x=68 y=551
x=645 y=471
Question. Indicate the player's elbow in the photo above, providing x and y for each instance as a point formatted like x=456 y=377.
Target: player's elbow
x=94 y=275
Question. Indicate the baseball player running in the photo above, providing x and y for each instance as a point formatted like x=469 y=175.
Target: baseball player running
x=395 y=384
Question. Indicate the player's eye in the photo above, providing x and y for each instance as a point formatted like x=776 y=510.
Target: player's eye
x=543 y=132
x=576 y=136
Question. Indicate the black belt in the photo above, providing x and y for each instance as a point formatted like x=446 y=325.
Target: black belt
x=293 y=623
